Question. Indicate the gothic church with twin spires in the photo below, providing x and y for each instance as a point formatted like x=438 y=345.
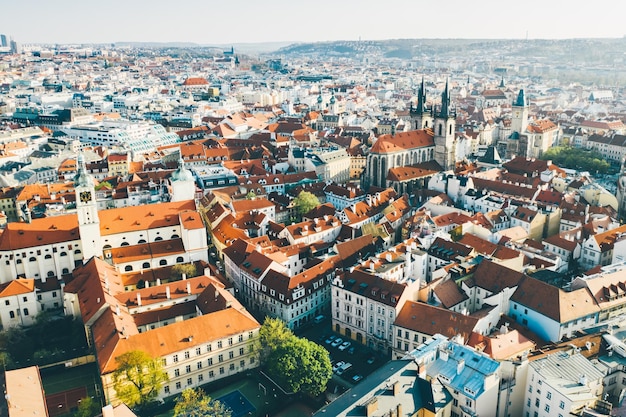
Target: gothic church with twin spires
x=432 y=138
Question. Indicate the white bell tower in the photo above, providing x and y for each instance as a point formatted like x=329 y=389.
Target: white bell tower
x=87 y=212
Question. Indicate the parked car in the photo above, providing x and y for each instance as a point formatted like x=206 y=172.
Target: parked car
x=337 y=342
x=351 y=350
x=338 y=365
x=344 y=345
x=344 y=368
x=330 y=339
x=357 y=378
x=371 y=360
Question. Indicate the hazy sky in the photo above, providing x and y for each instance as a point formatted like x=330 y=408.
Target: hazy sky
x=236 y=21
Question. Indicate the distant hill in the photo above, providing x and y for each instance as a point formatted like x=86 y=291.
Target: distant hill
x=591 y=51
x=157 y=44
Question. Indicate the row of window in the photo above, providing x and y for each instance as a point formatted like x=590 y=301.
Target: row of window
x=220 y=359
x=147 y=265
x=209 y=348
x=211 y=374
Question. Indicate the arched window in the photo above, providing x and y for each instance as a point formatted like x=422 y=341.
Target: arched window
x=18 y=261
x=48 y=256
x=375 y=171
x=50 y=273
x=128 y=268
x=450 y=129
x=179 y=259
x=32 y=259
x=77 y=252
x=105 y=247
x=163 y=262
x=175 y=236
x=440 y=129
x=65 y=271
x=63 y=254
x=141 y=241
x=124 y=244
x=158 y=238
x=146 y=265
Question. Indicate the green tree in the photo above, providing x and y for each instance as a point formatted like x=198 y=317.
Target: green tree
x=579 y=159
x=189 y=270
x=87 y=408
x=138 y=378
x=251 y=195
x=272 y=334
x=305 y=202
x=194 y=403
x=301 y=365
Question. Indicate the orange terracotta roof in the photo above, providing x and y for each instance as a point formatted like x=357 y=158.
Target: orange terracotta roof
x=129 y=219
x=502 y=346
x=403 y=141
x=126 y=254
x=45 y=231
x=195 y=81
x=17 y=286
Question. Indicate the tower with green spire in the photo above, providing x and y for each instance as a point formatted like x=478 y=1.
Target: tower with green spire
x=519 y=119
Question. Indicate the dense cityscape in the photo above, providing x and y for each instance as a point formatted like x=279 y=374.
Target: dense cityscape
x=351 y=228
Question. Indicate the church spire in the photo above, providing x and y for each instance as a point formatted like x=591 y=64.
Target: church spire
x=521 y=99
x=82 y=178
x=445 y=102
x=421 y=98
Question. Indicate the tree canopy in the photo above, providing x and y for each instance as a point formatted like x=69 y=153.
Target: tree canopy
x=297 y=363
x=305 y=202
x=194 y=403
x=302 y=365
x=138 y=378
x=87 y=408
x=579 y=159
x=189 y=270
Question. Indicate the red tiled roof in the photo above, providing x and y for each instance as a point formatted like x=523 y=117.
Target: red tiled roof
x=428 y=319
x=403 y=141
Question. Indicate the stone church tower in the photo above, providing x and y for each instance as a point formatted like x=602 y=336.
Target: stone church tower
x=444 y=127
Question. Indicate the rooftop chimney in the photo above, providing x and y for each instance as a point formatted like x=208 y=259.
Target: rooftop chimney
x=167 y=292
x=188 y=288
x=139 y=299
x=460 y=366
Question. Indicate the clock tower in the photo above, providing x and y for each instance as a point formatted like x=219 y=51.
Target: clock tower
x=87 y=212
x=519 y=119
